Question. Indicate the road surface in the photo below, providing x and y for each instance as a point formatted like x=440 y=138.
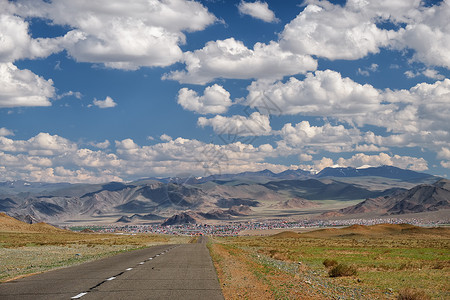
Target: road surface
x=159 y=272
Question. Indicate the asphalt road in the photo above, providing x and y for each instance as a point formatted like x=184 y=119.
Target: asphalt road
x=159 y=272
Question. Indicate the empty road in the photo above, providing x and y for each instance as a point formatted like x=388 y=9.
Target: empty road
x=160 y=272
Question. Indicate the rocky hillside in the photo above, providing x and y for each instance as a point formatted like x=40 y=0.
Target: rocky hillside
x=422 y=198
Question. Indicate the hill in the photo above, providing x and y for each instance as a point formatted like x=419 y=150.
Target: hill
x=422 y=198
x=9 y=224
x=379 y=230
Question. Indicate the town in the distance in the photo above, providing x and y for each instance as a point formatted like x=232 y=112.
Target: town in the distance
x=233 y=204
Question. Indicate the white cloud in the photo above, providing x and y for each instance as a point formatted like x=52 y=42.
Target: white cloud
x=324 y=93
x=120 y=34
x=423 y=109
x=404 y=162
x=5 y=132
x=305 y=157
x=52 y=158
x=445 y=164
x=166 y=138
x=336 y=32
x=18 y=44
x=23 y=87
x=232 y=59
x=215 y=100
x=77 y=95
x=41 y=144
x=362 y=160
x=412 y=118
x=430 y=73
x=255 y=125
x=351 y=31
x=327 y=137
x=107 y=103
x=429 y=35
x=101 y=145
x=257 y=10
x=444 y=153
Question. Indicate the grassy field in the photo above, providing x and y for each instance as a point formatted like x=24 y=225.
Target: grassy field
x=34 y=252
x=387 y=260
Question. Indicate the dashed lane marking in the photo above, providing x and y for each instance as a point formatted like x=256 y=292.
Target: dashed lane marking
x=129 y=269
x=78 y=296
x=111 y=278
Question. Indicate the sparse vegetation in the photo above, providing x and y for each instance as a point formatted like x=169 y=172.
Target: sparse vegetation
x=328 y=263
x=290 y=265
x=342 y=270
x=411 y=294
x=27 y=253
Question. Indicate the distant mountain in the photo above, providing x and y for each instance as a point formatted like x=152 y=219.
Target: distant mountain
x=422 y=198
x=313 y=189
x=183 y=218
x=383 y=171
x=191 y=217
x=295 y=203
x=218 y=195
x=138 y=217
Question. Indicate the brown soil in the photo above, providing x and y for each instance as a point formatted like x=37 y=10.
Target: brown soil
x=236 y=280
x=241 y=277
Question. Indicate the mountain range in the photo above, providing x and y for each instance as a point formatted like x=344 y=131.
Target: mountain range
x=421 y=198
x=220 y=197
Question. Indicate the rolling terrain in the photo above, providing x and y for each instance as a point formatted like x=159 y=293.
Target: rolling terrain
x=422 y=198
x=224 y=197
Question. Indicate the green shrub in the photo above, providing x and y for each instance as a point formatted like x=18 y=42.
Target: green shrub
x=342 y=270
x=410 y=294
x=330 y=263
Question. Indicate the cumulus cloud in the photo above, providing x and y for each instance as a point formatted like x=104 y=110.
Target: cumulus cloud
x=5 y=132
x=255 y=125
x=416 y=117
x=327 y=137
x=164 y=137
x=352 y=31
x=23 y=87
x=324 y=93
x=257 y=10
x=41 y=144
x=335 y=32
x=215 y=100
x=362 y=160
x=429 y=35
x=18 y=44
x=444 y=153
x=404 y=162
x=123 y=35
x=232 y=59
x=430 y=73
x=101 y=145
x=107 y=103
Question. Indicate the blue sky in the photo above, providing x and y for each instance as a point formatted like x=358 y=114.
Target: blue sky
x=94 y=91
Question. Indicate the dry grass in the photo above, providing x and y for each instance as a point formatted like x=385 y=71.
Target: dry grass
x=25 y=253
x=389 y=258
x=411 y=294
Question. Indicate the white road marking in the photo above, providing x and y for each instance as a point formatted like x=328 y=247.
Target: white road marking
x=129 y=269
x=111 y=278
x=141 y=263
x=78 y=296
x=151 y=258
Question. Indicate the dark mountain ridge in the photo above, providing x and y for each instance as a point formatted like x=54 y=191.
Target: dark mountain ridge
x=422 y=198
